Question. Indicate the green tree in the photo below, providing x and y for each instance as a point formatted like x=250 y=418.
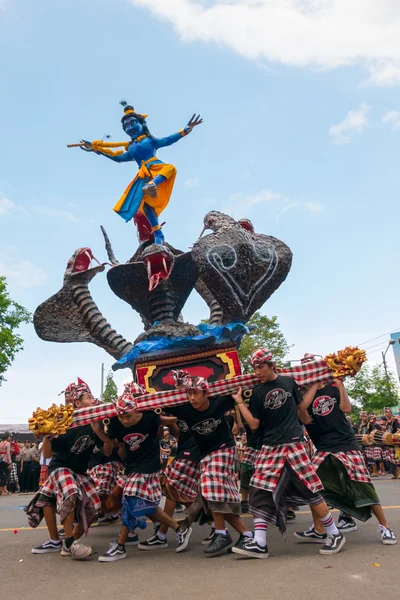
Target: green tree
x=264 y=331
x=12 y=315
x=371 y=390
x=111 y=390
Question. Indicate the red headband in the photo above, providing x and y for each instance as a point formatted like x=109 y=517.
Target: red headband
x=260 y=356
x=307 y=358
x=75 y=390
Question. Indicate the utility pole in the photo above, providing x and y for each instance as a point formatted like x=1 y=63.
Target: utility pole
x=102 y=382
x=385 y=365
x=391 y=343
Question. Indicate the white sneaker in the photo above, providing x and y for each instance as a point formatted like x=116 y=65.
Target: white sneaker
x=387 y=536
x=80 y=551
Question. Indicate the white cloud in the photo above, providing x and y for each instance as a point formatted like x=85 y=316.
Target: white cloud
x=313 y=207
x=354 y=123
x=57 y=214
x=8 y=208
x=240 y=205
x=22 y=273
x=392 y=118
x=192 y=182
x=384 y=73
x=322 y=34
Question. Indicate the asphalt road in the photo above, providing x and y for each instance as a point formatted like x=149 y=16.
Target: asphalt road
x=364 y=569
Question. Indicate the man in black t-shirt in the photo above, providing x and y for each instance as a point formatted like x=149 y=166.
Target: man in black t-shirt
x=339 y=459
x=283 y=472
x=180 y=479
x=219 y=492
x=389 y=453
x=137 y=433
x=68 y=488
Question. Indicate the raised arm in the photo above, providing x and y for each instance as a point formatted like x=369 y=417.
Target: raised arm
x=88 y=147
x=251 y=421
x=345 y=404
x=309 y=395
x=175 y=137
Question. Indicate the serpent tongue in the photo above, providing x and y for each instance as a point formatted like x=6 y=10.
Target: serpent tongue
x=158 y=268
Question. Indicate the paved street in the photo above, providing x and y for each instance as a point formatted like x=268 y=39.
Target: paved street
x=293 y=570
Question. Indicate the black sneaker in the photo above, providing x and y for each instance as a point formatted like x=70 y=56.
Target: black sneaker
x=346 y=524
x=210 y=536
x=243 y=539
x=310 y=535
x=133 y=540
x=47 y=547
x=183 y=537
x=116 y=552
x=61 y=533
x=251 y=549
x=220 y=544
x=387 y=536
x=334 y=544
x=153 y=543
x=291 y=515
x=244 y=506
x=156 y=527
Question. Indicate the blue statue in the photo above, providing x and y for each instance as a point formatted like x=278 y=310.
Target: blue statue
x=149 y=192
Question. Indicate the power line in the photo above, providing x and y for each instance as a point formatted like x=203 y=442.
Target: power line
x=379 y=336
x=375 y=346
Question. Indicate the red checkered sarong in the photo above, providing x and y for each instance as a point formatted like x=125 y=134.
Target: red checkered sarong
x=377 y=453
x=249 y=456
x=388 y=454
x=73 y=492
x=105 y=477
x=353 y=461
x=271 y=461
x=144 y=485
x=217 y=476
x=184 y=476
x=369 y=452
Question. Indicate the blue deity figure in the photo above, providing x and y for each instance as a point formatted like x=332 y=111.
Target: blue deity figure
x=151 y=189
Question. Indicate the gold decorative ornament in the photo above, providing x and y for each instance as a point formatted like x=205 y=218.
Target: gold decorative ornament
x=54 y=421
x=346 y=362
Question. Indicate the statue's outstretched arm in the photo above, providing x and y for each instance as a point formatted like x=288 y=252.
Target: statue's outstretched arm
x=116 y=157
x=175 y=137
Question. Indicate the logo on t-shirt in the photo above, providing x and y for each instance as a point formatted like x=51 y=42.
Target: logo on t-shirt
x=82 y=444
x=134 y=440
x=207 y=426
x=183 y=426
x=276 y=398
x=323 y=406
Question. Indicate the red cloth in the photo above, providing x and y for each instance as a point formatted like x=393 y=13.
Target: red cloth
x=184 y=475
x=305 y=374
x=217 y=476
x=271 y=461
x=352 y=460
x=144 y=485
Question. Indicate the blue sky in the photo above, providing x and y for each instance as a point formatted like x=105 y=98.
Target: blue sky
x=301 y=133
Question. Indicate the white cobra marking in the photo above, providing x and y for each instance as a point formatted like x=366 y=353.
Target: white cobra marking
x=266 y=253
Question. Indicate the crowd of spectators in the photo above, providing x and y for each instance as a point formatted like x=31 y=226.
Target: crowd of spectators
x=19 y=466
